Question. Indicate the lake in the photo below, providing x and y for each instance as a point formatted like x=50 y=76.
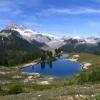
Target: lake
x=58 y=68
x=63 y=56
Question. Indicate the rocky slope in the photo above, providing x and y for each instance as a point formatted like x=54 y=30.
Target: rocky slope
x=90 y=44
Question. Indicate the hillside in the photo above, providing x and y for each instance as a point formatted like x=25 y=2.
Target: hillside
x=15 y=50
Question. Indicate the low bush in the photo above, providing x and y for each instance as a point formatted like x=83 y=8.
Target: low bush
x=90 y=76
x=15 y=89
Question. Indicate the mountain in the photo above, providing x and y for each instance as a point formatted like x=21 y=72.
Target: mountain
x=19 y=44
x=50 y=42
x=14 y=49
x=43 y=41
x=28 y=34
x=78 y=44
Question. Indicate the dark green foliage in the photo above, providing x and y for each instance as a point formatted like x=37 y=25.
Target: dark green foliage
x=42 y=87
x=15 y=89
x=57 y=51
x=97 y=97
x=49 y=53
x=84 y=77
x=15 y=50
x=17 y=57
x=0 y=89
x=1 y=92
x=43 y=56
x=46 y=56
x=90 y=76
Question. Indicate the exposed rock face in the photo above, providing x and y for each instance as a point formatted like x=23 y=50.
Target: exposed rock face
x=90 y=44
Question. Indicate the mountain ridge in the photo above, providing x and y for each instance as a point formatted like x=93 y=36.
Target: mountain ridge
x=50 y=42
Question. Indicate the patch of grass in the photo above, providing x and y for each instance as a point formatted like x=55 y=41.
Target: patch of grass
x=15 y=89
x=37 y=87
x=97 y=97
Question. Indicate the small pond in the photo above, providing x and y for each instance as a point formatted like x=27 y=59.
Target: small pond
x=63 y=56
x=58 y=68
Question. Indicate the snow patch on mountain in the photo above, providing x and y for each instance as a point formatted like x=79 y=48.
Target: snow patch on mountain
x=56 y=44
x=77 y=37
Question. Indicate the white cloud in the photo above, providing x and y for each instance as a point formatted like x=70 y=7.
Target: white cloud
x=69 y=11
x=17 y=4
x=14 y=8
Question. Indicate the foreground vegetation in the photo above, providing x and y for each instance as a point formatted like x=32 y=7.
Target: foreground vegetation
x=85 y=86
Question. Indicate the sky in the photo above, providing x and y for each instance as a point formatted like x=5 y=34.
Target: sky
x=57 y=17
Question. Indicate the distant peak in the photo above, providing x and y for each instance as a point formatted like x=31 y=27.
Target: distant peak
x=77 y=37
x=16 y=26
x=66 y=37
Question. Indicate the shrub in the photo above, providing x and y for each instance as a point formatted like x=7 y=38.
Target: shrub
x=0 y=89
x=84 y=77
x=90 y=76
x=15 y=89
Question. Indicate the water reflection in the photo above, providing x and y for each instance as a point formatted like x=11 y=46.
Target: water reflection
x=43 y=65
x=33 y=68
x=50 y=64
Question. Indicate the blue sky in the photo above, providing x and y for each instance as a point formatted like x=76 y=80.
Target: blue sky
x=58 y=17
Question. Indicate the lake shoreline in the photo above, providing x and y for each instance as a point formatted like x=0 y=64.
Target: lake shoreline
x=59 y=61
x=82 y=65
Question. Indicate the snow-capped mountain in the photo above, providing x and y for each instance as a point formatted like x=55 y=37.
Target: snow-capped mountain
x=49 y=41
x=14 y=49
x=88 y=40
x=12 y=40
x=93 y=39
x=90 y=44
x=19 y=44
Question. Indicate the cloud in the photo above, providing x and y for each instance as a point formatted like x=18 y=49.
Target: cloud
x=12 y=11
x=16 y=7
x=72 y=11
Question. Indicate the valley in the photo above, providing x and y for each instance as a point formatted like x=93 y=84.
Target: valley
x=49 y=49
x=21 y=47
